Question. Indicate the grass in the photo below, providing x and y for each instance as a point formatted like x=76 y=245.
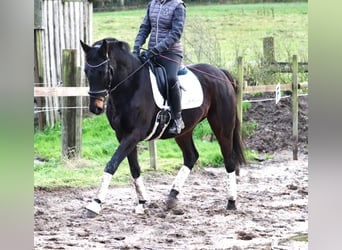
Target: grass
x=229 y=30
x=239 y=29
x=98 y=145
x=219 y=33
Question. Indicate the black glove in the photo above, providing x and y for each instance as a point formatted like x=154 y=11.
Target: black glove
x=149 y=54
x=136 y=51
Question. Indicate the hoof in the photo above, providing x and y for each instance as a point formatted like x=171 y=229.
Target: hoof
x=93 y=209
x=171 y=202
x=90 y=214
x=140 y=209
x=231 y=205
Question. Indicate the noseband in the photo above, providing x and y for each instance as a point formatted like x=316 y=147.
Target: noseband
x=110 y=72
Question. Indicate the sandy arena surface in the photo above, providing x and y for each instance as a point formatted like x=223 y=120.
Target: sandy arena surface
x=272 y=204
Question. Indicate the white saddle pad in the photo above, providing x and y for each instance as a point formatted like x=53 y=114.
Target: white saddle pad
x=192 y=93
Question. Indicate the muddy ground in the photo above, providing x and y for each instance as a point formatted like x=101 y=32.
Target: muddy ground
x=272 y=205
x=274 y=123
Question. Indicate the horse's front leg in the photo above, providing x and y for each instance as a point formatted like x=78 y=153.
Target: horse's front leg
x=190 y=156
x=138 y=181
x=125 y=147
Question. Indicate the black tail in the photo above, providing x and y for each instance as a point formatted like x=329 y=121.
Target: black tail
x=238 y=147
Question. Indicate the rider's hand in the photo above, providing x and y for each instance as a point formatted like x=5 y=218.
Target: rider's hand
x=149 y=54
x=136 y=51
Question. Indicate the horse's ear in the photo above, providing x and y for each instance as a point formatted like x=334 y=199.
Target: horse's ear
x=104 y=48
x=85 y=47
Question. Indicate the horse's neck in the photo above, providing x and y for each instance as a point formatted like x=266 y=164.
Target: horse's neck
x=130 y=77
x=126 y=66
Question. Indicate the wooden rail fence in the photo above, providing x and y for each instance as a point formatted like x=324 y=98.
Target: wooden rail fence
x=294 y=86
x=58 y=25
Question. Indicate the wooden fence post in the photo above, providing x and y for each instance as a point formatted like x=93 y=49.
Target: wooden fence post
x=71 y=113
x=153 y=154
x=269 y=58
x=240 y=89
x=38 y=75
x=295 y=106
x=268 y=44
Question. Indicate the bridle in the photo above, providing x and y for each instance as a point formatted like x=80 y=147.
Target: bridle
x=104 y=92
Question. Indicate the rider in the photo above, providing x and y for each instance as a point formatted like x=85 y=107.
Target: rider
x=164 y=22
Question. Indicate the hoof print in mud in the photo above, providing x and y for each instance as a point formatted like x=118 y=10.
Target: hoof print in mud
x=178 y=211
x=245 y=235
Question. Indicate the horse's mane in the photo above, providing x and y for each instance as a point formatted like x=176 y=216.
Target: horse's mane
x=113 y=42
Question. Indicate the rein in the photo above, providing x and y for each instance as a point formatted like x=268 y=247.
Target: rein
x=127 y=77
x=190 y=67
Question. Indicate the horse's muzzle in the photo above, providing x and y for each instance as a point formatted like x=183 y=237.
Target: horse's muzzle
x=96 y=106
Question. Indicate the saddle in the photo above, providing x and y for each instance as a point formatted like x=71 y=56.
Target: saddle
x=161 y=78
x=191 y=98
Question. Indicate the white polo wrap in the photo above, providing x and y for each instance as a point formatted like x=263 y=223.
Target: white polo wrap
x=103 y=190
x=231 y=186
x=182 y=175
x=140 y=189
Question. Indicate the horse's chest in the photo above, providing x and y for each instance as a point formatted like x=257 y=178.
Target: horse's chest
x=122 y=120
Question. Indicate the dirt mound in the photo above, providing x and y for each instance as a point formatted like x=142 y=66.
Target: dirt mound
x=274 y=123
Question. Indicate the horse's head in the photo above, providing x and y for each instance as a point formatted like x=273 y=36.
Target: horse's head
x=109 y=64
x=99 y=73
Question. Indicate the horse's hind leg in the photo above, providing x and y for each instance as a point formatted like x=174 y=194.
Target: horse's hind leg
x=224 y=135
x=190 y=156
x=138 y=181
x=226 y=148
x=232 y=190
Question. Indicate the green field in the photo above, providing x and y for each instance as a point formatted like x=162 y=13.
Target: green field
x=217 y=34
x=214 y=33
x=99 y=144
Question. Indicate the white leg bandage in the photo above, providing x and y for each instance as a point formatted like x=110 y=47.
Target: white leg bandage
x=102 y=192
x=180 y=178
x=140 y=189
x=231 y=186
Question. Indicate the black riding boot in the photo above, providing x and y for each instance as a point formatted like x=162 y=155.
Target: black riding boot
x=176 y=112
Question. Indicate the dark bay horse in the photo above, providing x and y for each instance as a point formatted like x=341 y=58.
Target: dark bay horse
x=113 y=71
